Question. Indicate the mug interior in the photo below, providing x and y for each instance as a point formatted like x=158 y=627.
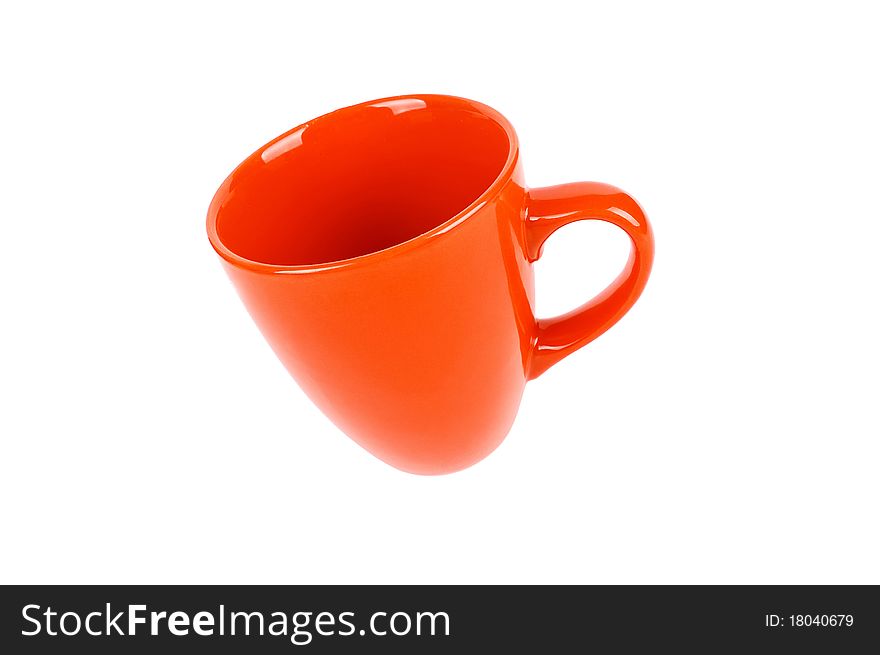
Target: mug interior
x=360 y=180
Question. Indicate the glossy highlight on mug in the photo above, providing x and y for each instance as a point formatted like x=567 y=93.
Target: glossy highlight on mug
x=385 y=251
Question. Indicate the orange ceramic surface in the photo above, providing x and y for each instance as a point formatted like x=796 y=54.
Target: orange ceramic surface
x=385 y=251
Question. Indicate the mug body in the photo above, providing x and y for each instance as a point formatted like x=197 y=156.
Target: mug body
x=381 y=251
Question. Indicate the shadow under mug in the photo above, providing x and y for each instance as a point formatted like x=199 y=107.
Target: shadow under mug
x=385 y=251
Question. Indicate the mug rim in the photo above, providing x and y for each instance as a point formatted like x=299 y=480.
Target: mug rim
x=447 y=226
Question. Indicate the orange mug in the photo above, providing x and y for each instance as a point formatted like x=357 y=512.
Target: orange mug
x=385 y=251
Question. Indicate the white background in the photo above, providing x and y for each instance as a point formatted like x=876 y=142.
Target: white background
x=725 y=431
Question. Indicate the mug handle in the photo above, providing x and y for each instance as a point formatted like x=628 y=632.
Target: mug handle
x=548 y=209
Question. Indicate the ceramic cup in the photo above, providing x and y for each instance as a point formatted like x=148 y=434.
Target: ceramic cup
x=385 y=251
